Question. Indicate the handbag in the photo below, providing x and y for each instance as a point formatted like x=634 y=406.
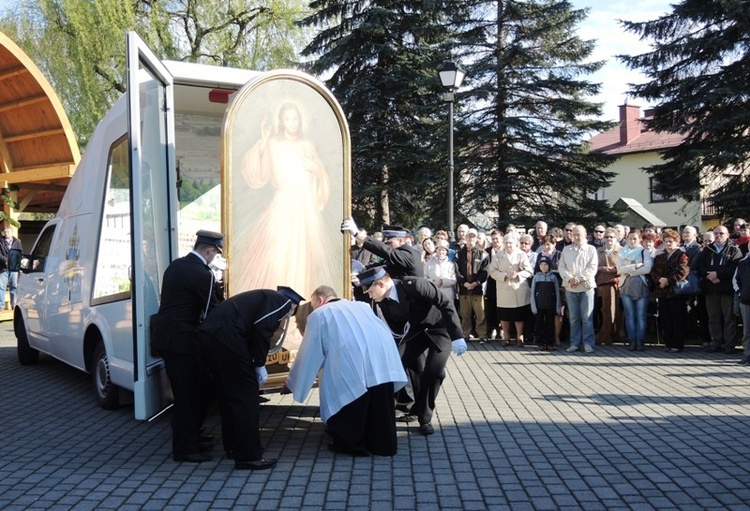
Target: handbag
x=691 y=285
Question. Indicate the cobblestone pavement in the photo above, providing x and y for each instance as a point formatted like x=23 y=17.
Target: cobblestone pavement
x=516 y=429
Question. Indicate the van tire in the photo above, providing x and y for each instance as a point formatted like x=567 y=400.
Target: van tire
x=106 y=393
x=27 y=355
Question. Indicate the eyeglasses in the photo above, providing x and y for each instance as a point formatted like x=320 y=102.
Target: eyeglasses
x=743 y=226
x=568 y=230
x=524 y=242
x=599 y=232
x=721 y=234
x=609 y=237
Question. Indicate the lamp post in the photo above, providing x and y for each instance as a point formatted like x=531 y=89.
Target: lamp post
x=451 y=76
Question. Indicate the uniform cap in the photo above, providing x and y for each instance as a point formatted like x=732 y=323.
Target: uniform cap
x=290 y=293
x=393 y=231
x=211 y=238
x=367 y=277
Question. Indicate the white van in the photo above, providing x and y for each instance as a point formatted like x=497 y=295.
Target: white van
x=167 y=160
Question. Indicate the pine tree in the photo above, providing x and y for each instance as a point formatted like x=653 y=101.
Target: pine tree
x=699 y=76
x=529 y=109
x=383 y=57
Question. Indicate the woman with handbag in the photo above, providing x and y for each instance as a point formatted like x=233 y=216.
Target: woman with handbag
x=670 y=267
x=633 y=265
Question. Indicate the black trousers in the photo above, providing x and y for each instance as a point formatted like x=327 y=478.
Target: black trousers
x=431 y=378
x=189 y=381
x=368 y=423
x=544 y=331
x=239 y=399
x=406 y=397
x=673 y=316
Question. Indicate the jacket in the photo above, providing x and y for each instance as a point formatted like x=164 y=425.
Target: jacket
x=10 y=257
x=545 y=293
x=512 y=293
x=741 y=280
x=674 y=267
x=723 y=262
x=477 y=272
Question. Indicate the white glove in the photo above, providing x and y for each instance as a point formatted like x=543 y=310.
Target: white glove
x=349 y=225
x=459 y=347
x=262 y=375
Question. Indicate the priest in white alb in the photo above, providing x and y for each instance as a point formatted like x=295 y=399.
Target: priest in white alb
x=360 y=370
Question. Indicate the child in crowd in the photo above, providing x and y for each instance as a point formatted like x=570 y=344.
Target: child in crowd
x=545 y=303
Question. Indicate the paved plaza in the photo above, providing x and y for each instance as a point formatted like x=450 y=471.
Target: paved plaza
x=516 y=429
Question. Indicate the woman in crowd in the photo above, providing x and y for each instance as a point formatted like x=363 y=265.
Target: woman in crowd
x=442 y=271
x=428 y=249
x=648 y=241
x=634 y=265
x=511 y=271
x=607 y=286
x=525 y=242
x=670 y=267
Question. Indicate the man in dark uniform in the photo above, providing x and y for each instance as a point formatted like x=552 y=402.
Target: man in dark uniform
x=186 y=298
x=420 y=318
x=236 y=338
x=399 y=258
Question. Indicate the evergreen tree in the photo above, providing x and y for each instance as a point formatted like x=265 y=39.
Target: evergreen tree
x=383 y=56
x=526 y=112
x=699 y=75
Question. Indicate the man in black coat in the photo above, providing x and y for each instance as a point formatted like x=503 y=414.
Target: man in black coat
x=236 y=338
x=421 y=319
x=186 y=298
x=400 y=259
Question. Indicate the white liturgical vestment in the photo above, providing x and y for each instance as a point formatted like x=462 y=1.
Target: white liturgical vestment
x=355 y=350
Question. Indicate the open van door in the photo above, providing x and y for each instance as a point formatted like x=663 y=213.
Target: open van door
x=153 y=211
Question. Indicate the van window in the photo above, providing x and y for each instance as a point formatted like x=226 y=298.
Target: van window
x=41 y=249
x=112 y=279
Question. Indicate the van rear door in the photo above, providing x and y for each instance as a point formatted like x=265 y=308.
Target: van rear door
x=153 y=211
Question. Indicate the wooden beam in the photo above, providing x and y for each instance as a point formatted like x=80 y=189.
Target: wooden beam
x=23 y=102
x=42 y=187
x=31 y=175
x=34 y=134
x=26 y=200
x=14 y=71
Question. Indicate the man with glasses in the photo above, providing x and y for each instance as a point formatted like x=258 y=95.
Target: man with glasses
x=187 y=296
x=716 y=265
x=738 y=223
x=567 y=237
x=597 y=238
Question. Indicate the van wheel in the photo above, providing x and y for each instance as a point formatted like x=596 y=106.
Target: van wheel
x=106 y=393
x=26 y=354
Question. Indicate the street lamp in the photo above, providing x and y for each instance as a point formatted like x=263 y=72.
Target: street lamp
x=451 y=76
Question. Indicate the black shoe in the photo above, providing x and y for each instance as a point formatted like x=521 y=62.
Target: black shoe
x=403 y=408
x=259 y=464
x=426 y=429
x=197 y=457
x=409 y=417
x=204 y=438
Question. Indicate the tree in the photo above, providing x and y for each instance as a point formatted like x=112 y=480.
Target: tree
x=521 y=137
x=699 y=75
x=382 y=57
x=80 y=44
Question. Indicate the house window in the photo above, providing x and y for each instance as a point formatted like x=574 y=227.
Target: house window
x=657 y=197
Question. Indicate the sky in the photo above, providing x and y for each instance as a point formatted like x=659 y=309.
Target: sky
x=612 y=40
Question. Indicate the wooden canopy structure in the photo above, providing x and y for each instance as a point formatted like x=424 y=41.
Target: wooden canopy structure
x=38 y=150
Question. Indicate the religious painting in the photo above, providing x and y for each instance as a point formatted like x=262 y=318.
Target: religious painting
x=286 y=186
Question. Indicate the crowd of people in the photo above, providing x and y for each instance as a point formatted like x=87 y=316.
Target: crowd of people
x=551 y=285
